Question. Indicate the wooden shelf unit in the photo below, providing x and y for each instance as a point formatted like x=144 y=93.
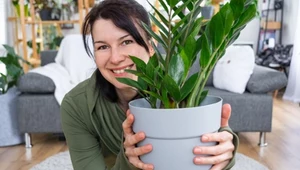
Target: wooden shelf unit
x=83 y=8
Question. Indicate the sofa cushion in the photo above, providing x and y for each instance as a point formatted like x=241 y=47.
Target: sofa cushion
x=35 y=83
x=265 y=80
x=249 y=112
x=234 y=69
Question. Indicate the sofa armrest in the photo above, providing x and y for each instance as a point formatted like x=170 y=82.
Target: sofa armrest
x=48 y=56
x=35 y=83
x=264 y=80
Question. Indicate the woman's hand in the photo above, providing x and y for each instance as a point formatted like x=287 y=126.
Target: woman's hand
x=131 y=151
x=221 y=153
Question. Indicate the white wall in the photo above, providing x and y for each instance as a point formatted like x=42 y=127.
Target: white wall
x=3 y=22
x=289 y=21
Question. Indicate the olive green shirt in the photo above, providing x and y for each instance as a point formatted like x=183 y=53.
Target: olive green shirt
x=93 y=129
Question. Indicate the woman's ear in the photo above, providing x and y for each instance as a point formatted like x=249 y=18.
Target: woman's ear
x=151 y=49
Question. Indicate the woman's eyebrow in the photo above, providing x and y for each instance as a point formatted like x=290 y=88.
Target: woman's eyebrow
x=121 y=38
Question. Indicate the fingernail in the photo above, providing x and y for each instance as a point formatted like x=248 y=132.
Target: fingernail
x=204 y=138
x=198 y=150
x=198 y=160
x=141 y=135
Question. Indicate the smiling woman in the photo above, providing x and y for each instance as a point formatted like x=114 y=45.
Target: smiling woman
x=95 y=117
x=112 y=50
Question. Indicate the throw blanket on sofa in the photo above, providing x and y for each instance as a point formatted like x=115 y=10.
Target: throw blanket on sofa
x=72 y=65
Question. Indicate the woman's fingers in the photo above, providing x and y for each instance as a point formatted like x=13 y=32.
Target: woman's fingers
x=214 y=150
x=135 y=152
x=127 y=125
x=139 y=164
x=220 y=166
x=217 y=159
x=131 y=140
x=226 y=112
x=217 y=137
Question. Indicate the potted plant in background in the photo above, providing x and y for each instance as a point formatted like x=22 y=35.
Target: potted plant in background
x=175 y=109
x=9 y=134
x=17 y=7
x=47 y=9
x=207 y=10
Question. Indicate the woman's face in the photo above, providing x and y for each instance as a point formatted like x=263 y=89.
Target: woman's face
x=113 y=46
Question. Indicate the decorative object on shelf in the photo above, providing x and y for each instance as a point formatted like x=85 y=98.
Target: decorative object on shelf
x=17 y=8
x=271 y=23
x=67 y=11
x=207 y=11
x=170 y=96
x=47 y=9
x=51 y=38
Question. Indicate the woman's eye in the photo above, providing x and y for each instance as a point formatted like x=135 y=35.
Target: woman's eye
x=126 y=42
x=103 y=47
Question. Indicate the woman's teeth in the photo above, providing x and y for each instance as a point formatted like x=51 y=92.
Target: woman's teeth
x=121 y=71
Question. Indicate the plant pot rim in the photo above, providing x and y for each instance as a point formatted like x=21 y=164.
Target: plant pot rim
x=217 y=98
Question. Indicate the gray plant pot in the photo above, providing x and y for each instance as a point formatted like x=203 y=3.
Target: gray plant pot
x=207 y=12
x=174 y=133
x=9 y=129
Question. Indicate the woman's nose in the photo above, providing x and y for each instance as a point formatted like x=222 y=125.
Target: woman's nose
x=116 y=56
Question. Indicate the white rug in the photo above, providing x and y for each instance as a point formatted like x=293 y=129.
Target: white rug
x=62 y=161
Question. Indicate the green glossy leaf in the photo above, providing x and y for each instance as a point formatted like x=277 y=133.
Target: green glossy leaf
x=188 y=86
x=205 y=53
x=154 y=35
x=9 y=49
x=172 y=3
x=202 y=97
x=153 y=94
x=176 y=69
x=227 y=15
x=164 y=5
x=172 y=87
x=216 y=34
x=140 y=64
x=246 y=16
x=142 y=76
x=158 y=54
x=159 y=24
x=237 y=7
x=179 y=10
x=131 y=83
x=197 y=27
x=144 y=84
x=165 y=98
x=160 y=15
x=151 y=67
x=158 y=77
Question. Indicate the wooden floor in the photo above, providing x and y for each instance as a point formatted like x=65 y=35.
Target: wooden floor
x=282 y=152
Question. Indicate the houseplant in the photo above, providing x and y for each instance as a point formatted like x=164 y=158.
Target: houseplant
x=17 y=7
x=165 y=84
x=9 y=134
x=47 y=9
x=207 y=10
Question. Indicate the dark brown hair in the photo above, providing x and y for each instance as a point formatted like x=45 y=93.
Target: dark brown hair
x=124 y=14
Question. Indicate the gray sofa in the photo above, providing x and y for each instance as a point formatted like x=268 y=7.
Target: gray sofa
x=251 y=111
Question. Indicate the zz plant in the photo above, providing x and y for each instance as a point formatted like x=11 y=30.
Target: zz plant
x=14 y=70
x=165 y=77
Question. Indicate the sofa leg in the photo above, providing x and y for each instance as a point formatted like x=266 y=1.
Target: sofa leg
x=28 y=140
x=262 y=139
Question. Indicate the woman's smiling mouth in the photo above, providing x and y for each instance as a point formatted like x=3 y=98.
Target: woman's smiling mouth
x=122 y=71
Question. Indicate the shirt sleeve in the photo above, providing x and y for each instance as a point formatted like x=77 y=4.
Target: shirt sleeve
x=84 y=145
x=235 y=143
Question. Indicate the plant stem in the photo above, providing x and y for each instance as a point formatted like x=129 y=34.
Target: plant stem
x=168 y=56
